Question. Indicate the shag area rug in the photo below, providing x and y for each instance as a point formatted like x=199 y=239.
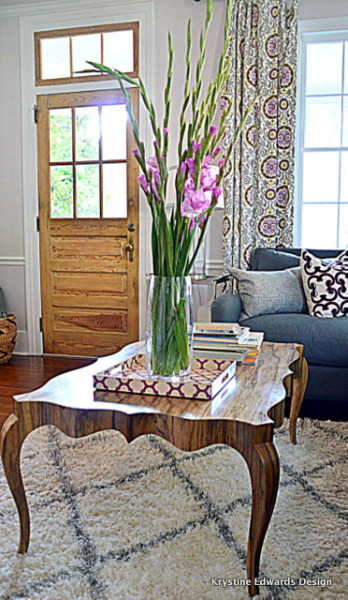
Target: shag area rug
x=145 y=521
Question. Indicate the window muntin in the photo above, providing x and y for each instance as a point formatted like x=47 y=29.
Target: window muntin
x=323 y=147
x=60 y=54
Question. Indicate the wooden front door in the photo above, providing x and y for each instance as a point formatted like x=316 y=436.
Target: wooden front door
x=88 y=223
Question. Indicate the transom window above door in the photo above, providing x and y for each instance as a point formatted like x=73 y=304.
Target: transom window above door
x=61 y=54
x=88 y=161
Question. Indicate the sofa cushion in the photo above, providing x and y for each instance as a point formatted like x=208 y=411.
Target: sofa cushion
x=267 y=292
x=267 y=259
x=325 y=285
x=325 y=340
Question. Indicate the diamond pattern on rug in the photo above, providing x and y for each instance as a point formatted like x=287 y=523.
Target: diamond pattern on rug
x=145 y=521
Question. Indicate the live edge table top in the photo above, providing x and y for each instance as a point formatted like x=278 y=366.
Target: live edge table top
x=255 y=390
x=244 y=418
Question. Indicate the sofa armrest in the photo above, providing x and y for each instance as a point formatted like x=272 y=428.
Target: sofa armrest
x=2 y=301
x=226 y=308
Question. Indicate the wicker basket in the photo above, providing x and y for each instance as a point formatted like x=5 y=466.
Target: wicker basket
x=8 y=336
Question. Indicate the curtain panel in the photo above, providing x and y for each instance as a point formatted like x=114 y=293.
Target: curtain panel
x=259 y=186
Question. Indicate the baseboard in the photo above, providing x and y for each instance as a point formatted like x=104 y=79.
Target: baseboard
x=22 y=345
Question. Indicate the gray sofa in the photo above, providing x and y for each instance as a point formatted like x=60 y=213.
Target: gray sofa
x=2 y=301
x=325 y=340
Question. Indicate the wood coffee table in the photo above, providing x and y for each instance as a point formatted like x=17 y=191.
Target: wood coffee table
x=244 y=419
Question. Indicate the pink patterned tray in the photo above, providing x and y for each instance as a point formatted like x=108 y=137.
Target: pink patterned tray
x=207 y=378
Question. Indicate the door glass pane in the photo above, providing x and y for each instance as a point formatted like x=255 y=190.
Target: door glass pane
x=60 y=135
x=343 y=234
x=55 y=58
x=320 y=177
x=319 y=225
x=324 y=68
x=323 y=122
x=114 y=124
x=87 y=191
x=61 y=192
x=85 y=47
x=87 y=133
x=115 y=191
x=118 y=50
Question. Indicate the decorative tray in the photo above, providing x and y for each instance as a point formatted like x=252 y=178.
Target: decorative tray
x=207 y=378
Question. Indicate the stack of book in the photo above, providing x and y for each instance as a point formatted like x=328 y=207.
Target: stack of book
x=227 y=341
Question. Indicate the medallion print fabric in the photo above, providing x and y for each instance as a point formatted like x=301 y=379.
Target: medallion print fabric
x=325 y=284
x=259 y=184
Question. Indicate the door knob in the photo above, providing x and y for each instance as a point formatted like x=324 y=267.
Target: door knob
x=129 y=248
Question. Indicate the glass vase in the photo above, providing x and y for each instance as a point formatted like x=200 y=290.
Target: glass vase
x=169 y=327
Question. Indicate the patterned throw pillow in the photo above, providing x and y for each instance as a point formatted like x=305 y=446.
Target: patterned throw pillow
x=325 y=284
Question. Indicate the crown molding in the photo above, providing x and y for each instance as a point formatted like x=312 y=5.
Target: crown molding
x=326 y=24
x=50 y=6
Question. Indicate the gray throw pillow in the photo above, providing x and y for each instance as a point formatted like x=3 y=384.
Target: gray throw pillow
x=268 y=292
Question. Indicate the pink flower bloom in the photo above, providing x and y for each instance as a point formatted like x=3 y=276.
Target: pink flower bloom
x=136 y=152
x=195 y=203
x=165 y=130
x=221 y=163
x=217 y=150
x=191 y=165
x=154 y=188
x=208 y=178
x=154 y=169
x=196 y=146
x=207 y=160
x=183 y=169
x=152 y=161
x=213 y=130
x=144 y=184
x=217 y=192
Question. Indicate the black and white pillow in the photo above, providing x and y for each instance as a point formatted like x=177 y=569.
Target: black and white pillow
x=325 y=284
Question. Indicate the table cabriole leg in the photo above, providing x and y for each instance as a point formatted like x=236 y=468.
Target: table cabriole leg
x=263 y=464
x=12 y=438
x=299 y=388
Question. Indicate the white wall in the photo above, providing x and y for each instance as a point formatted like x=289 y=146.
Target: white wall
x=171 y=14
x=322 y=9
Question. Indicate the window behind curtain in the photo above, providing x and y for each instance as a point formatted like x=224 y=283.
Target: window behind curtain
x=323 y=141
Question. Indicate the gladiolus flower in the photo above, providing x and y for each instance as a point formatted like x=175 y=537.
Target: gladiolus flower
x=195 y=203
x=216 y=192
x=136 y=152
x=217 y=150
x=191 y=165
x=196 y=146
x=154 y=169
x=208 y=178
x=213 y=130
x=144 y=184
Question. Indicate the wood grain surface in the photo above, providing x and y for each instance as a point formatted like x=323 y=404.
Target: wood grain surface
x=241 y=418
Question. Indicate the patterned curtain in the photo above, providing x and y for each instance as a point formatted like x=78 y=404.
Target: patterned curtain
x=259 y=187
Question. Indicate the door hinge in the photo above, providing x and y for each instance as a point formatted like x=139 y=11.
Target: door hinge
x=37 y=223
x=36 y=113
x=40 y=324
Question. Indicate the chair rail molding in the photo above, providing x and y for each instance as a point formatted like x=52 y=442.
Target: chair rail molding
x=12 y=261
x=55 y=15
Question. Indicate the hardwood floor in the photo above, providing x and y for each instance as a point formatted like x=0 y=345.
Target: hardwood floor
x=26 y=373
